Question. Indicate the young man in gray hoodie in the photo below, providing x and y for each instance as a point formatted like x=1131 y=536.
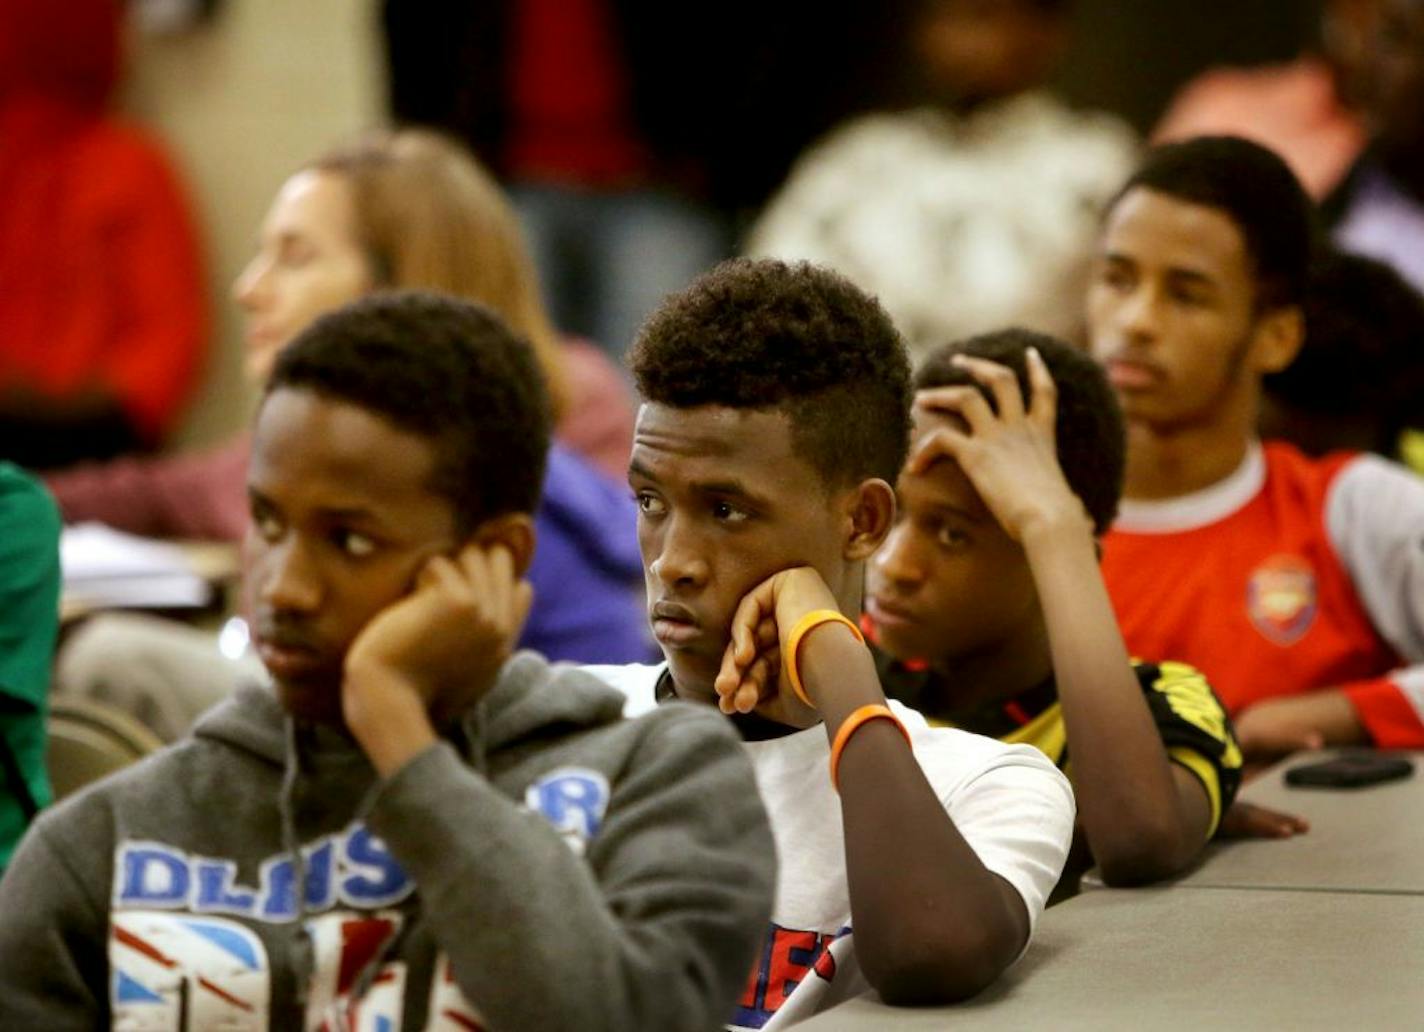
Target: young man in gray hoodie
x=414 y=830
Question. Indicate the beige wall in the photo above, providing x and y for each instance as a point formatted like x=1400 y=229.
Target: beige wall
x=241 y=102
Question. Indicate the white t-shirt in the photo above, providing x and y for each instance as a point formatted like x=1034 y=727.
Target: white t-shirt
x=1013 y=807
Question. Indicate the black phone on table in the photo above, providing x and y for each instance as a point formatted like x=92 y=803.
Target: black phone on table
x=1350 y=770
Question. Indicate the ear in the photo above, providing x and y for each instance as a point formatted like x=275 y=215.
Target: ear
x=515 y=531
x=869 y=514
x=1278 y=338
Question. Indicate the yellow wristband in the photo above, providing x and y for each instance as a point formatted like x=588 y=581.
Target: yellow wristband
x=853 y=723
x=803 y=627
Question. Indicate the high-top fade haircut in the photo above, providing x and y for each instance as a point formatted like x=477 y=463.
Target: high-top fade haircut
x=767 y=335
x=1091 y=435
x=1252 y=187
x=444 y=369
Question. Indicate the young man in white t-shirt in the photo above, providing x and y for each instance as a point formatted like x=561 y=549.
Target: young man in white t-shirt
x=775 y=418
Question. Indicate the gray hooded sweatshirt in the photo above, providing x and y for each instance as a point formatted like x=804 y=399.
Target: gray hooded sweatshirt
x=548 y=865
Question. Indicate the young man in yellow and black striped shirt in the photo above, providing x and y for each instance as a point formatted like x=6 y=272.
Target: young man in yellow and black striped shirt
x=990 y=614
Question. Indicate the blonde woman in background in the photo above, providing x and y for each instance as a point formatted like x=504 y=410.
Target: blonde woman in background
x=413 y=209
x=397 y=209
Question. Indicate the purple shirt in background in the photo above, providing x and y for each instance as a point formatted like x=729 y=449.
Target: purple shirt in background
x=1385 y=223
x=587 y=572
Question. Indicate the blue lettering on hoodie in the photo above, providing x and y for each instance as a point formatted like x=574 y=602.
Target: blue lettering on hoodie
x=149 y=874
x=572 y=799
x=376 y=880
x=354 y=868
x=279 y=875
x=218 y=892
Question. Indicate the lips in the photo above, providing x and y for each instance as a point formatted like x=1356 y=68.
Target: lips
x=674 y=624
x=886 y=613
x=289 y=655
x=1127 y=374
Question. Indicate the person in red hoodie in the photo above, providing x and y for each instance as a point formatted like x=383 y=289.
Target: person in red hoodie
x=102 y=292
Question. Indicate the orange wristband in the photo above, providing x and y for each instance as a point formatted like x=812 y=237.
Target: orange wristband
x=803 y=627
x=853 y=723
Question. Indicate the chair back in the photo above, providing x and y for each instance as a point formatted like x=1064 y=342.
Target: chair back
x=89 y=740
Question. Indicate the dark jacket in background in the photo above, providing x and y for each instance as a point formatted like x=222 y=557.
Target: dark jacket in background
x=724 y=95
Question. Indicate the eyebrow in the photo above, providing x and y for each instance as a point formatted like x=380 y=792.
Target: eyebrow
x=732 y=488
x=637 y=469
x=340 y=513
x=1191 y=276
x=954 y=510
x=948 y=508
x=1179 y=272
x=350 y=514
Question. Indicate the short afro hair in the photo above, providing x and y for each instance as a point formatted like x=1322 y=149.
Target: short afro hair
x=1091 y=435
x=1363 y=356
x=442 y=368
x=1252 y=187
x=767 y=335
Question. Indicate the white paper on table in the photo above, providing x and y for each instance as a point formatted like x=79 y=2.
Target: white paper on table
x=107 y=568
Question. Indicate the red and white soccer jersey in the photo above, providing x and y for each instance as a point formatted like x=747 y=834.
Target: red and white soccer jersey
x=1291 y=575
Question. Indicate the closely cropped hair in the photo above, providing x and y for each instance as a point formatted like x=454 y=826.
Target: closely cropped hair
x=1091 y=435
x=430 y=217
x=1252 y=187
x=444 y=369
x=1363 y=356
x=798 y=338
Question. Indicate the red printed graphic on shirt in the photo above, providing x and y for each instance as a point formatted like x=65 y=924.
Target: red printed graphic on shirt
x=789 y=956
x=1281 y=598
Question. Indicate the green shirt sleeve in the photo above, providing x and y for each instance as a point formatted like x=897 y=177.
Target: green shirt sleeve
x=29 y=623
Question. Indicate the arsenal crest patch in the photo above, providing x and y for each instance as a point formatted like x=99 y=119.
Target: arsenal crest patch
x=1281 y=598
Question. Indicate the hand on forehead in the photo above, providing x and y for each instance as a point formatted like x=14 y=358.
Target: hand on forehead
x=926 y=418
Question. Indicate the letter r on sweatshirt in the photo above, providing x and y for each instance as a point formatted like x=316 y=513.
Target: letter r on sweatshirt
x=572 y=799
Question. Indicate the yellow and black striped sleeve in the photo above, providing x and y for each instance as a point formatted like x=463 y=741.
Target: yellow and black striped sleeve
x=1194 y=727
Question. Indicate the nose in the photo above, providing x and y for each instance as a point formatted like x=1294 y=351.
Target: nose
x=897 y=561
x=247 y=287
x=680 y=563
x=289 y=580
x=1137 y=315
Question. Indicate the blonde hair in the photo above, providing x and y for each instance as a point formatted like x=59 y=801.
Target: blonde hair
x=428 y=215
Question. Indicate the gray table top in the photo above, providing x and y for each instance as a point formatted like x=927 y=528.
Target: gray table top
x=1360 y=840
x=1168 y=959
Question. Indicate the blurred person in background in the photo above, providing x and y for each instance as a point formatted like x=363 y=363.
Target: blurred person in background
x=1307 y=110
x=1295 y=584
x=403 y=209
x=976 y=209
x=592 y=115
x=1357 y=381
x=1379 y=208
x=101 y=281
